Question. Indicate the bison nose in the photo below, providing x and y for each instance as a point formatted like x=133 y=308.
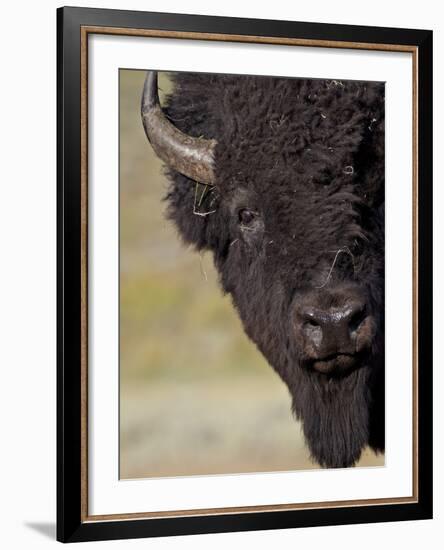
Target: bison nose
x=336 y=330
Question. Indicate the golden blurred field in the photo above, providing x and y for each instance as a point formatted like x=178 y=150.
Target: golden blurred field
x=196 y=397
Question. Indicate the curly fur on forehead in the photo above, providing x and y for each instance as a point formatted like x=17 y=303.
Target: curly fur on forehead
x=304 y=135
x=316 y=126
x=306 y=158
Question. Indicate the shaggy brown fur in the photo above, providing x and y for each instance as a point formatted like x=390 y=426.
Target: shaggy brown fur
x=305 y=159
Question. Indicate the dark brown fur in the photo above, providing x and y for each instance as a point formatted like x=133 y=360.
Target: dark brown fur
x=307 y=156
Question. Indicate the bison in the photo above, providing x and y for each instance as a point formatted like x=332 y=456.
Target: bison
x=282 y=179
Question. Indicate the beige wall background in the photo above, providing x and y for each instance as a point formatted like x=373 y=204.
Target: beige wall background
x=196 y=397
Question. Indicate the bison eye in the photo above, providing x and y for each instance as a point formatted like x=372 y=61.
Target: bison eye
x=246 y=216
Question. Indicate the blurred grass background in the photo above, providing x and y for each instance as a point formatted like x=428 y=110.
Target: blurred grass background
x=196 y=397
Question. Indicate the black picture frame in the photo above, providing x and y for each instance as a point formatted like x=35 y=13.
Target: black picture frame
x=72 y=522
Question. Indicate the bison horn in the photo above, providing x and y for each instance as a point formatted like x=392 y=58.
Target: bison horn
x=193 y=157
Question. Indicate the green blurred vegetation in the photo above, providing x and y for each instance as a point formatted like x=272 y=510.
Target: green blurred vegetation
x=196 y=396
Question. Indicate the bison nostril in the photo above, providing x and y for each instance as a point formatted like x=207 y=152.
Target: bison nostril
x=356 y=320
x=312 y=329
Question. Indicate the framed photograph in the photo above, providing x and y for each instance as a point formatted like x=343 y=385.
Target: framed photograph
x=244 y=274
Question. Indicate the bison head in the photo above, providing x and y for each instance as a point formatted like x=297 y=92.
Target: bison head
x=283 y=180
